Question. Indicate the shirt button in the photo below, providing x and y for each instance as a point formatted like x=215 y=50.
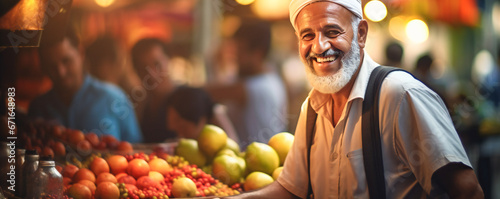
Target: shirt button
x=334 y=156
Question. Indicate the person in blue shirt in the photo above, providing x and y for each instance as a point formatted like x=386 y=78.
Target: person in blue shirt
x=78 y=100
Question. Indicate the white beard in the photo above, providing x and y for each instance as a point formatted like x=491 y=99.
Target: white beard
x=334 y=83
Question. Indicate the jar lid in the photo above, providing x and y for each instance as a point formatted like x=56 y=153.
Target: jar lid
x=47 y=161
x=31 y=152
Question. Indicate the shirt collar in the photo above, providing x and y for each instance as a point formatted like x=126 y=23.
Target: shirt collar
x=361 y=82
x=319 y=99
x=87 y=80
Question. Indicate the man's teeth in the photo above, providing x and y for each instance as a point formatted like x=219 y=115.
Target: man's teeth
x=325 y=59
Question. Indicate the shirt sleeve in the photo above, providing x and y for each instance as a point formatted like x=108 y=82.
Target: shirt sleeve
x=426 y=139
x=294 y=176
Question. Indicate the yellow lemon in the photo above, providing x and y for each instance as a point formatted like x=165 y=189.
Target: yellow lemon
x=281 y=142
x=183 y=188
x=256 y=180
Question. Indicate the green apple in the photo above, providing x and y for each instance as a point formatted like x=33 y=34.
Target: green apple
x=261 y=157
x=227 y=169
x=188 y=148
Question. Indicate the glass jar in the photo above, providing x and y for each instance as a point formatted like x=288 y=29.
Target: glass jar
x=47 y=180
x=20 y=155
x=27 y=170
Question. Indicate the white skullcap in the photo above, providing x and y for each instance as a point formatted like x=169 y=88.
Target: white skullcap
x=297 y=5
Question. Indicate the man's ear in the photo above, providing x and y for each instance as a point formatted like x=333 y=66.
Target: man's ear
x=362 y=33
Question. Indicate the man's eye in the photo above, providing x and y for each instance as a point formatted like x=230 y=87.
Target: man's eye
x=308 y=37
x=332 y=33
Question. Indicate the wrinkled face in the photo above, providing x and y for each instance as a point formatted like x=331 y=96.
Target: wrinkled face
x=328 y=45
x=153 y=62
x=63 y=63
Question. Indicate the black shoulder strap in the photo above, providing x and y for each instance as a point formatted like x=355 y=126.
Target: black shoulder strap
x=372 y=150
x=310 y=124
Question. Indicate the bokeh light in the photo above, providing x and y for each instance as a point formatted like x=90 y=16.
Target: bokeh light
x=397 y=27
x=417 y=31
x=375 y=11
x=245 y=2
x=270 y=9
x=104 y=3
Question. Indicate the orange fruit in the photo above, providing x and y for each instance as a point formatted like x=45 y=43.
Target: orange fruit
x=69 y=170
x=75 y=137
x=127 y=180
x=107 y=190
x=84 y=174
x=124 y=147
x=79 y=191
x=92 y=138
x=89 y=184
x=47 y=151
x=117 y=164
x=156 y=176
x=159 y=165
x=145 y=182
x=84 y=146
x=111 y=142
x=99 y=165
x=118 y=176
x=66 y=181
x=138 y=168
x=105 y=177
x=59 y=149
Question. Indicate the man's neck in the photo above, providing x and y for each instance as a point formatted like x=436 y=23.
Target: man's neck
x=341 y=97
x=67 y=94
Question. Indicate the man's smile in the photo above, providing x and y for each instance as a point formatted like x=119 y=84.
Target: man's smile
x=326 y=59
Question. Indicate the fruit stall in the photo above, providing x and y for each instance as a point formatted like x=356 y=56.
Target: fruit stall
x=90 y=166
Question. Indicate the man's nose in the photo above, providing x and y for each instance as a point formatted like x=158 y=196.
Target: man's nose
x=321 y=44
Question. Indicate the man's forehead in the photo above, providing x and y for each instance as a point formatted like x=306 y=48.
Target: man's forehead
x=328 y=12
x=296 y=6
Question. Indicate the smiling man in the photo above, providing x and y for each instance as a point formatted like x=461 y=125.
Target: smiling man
x=422 y=154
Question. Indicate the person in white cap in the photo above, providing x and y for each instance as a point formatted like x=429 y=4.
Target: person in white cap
x=422 y=154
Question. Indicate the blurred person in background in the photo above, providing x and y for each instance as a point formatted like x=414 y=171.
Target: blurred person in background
x=151 y=63
x=108 y=62
x=444 y=82
x=422 y=156
x=489 y=127
x=190 y=109
x=79 y=101
x=258 y=99
x=394 y=54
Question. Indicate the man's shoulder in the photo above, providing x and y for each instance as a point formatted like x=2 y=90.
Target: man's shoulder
x=104 y=89
x=401 y=81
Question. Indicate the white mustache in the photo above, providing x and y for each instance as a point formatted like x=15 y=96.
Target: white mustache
x=327 y=53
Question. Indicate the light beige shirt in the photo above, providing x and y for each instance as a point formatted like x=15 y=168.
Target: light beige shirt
x=418 y=137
